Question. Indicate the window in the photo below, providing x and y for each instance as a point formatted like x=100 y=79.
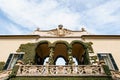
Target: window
x=108 y=59
x=12 y=59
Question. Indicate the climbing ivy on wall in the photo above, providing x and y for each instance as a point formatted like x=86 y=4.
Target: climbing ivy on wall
x=29 y=49
x=2 y=65
x=86 y=58
x=14 y=72
x=106 y=69
x=89 y=47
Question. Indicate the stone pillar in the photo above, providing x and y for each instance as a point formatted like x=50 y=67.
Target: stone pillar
x=70 y=57
x=51 y=56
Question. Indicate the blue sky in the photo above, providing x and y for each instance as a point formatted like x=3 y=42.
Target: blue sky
x=24 y=16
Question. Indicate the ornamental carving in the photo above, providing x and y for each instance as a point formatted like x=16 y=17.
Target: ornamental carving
x=60 y=31
x=63 y=70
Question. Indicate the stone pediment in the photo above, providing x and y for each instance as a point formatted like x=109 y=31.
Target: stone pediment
x=60 y=31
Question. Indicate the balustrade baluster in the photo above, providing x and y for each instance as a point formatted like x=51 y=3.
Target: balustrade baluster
x=66 y=70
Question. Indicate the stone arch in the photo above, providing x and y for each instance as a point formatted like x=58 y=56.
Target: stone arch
x=60 y=50
x=42 y=51
x=79 y=51
x=60 y=41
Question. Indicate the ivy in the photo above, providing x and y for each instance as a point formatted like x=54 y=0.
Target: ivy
x=29 y=49
x=86 y=58
x=89 y=47
x=106 y=69
x=2 y=65
x=14 y=72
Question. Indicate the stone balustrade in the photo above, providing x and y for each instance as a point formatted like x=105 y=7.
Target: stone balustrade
x=60 y=70
x=115 y=74
x=5 y=74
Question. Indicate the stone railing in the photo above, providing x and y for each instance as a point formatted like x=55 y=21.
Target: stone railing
x=4 y=74
x=59 y=70
x=115 y=74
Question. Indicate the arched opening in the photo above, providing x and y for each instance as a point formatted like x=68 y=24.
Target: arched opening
x=46 y=60
x=60 y=61
x=75 y=60
x=79 y=52
x=60 y=50
x=42 y=51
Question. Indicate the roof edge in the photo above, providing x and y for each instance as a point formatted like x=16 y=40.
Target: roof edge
x=101 y=36
x=18 y=36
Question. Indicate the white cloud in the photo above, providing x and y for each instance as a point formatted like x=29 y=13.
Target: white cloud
x=100 y=17
x=43 y=14
x=47 y=14
x=9 y=28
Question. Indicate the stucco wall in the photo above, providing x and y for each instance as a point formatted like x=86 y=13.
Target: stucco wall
x=112 y=46
x=69 y=40
x=107 y=46
x=8 y=46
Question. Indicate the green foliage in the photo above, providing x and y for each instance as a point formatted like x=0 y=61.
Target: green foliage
x=86 y=58
x=94 y=58
x=29 y=49
x=2 y=65
x=106 y=69
x=61 y=78
x=14 y=72
x=89 y=47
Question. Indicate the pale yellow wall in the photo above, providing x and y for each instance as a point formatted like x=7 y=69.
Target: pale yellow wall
x=107 y=46
x=112 y=46
x=8 y=46
x=69 y=40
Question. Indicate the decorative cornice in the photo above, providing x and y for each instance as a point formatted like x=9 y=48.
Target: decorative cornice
x=60 y=31
x=100 y=36
x=18 y=36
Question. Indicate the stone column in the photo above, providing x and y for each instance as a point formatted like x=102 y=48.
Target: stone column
x=51 y=56
x=70 y=57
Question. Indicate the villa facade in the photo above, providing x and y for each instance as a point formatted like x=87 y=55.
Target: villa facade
x=83 y=54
